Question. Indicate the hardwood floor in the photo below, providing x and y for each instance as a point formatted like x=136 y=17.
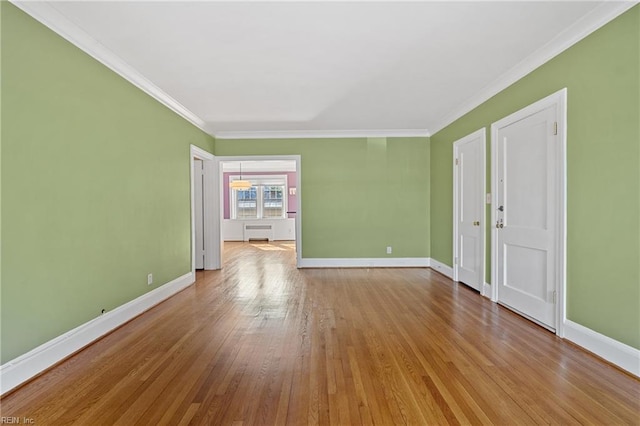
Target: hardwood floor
x=263 y=343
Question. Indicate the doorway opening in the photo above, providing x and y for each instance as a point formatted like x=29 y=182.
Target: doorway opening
x=267 y=213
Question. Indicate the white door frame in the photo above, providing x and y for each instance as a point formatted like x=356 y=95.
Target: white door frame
x=482 y=134
x=558 y=98
x=211 y=231
x=298 y=217
x=198 y=170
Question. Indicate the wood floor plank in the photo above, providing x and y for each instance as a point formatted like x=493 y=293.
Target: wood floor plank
x=263 y=343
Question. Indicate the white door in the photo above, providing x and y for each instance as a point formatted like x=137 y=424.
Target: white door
x=526 y=210
x=198 y=180
x=469 y=188
x=205 y=217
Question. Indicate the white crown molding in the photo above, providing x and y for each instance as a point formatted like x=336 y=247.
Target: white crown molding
x=624 y=356
x=396 y=262
x=598 y=17
x=47 y=15
x=259 y=166
x=38 y=360
x=310 y=134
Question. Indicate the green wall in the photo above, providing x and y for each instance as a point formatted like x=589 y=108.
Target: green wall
x=602 y=74
x=95 y=187
x=358 y=195
x=95 y=194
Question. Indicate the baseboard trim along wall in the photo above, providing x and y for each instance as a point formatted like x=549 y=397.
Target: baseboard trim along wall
x=34 y=362
x=445 y=270
x=486 y=290
x=395 y=262
x=624 y=356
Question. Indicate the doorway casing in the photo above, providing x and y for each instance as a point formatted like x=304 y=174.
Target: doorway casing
x=211 y=225
x=298 y=216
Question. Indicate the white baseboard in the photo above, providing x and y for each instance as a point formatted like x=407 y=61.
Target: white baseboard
x=617 y=353
x=445 y=270
x=34 y=362
x=395 y=262
x=486 y=290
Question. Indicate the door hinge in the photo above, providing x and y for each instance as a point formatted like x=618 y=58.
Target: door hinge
x=455 y=261
x=457 y=161
x=555 y=128
x=554 y=296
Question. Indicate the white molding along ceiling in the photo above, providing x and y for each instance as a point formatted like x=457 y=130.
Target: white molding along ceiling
x=590 y=22
x=253 y=166
x=323 y=69
x=47 y=14
x=317 y=134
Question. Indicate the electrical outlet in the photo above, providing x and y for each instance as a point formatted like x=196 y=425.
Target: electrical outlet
x=149 y=279
x=389 y=250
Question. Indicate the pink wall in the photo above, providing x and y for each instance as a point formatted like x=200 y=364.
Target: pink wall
x=292 y=202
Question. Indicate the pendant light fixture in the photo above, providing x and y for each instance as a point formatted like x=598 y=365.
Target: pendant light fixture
x=239 y=184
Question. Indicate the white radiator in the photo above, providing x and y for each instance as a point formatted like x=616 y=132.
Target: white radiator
x=258 y=231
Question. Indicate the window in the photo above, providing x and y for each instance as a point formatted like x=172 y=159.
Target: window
x=247 y=203
x=264 y=200
x=272 y=201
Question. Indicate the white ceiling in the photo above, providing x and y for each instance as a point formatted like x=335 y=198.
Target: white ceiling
x=323 y=68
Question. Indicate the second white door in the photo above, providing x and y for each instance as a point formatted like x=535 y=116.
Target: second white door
x=469 y=188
